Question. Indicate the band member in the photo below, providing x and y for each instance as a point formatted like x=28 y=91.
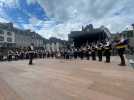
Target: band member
x=31 y=54
x=10 y=53
x=17 y=55
x=68 y=54
x=93 y=52
x=121 y=46
x=84 y=52
x=81 y=53
x=65 y=54
x=22 y=54
x=107 y=51
x=88 y=52
x=1 y=56
x=27 y=53
x=75 y=53
x=100 y=51
x=44 y=54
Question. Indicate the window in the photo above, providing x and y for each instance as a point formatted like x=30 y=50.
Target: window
x=128 y=35
x=9 y=33
x=1 y=32
x=131 y=34
x=9 y=39
x=1 y=38
x=124 y=35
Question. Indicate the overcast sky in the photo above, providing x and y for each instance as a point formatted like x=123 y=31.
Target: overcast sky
x=58 y=17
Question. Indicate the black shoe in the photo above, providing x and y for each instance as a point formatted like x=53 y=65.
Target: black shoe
x=122 y=64
x=107 y=62
x=30 y=64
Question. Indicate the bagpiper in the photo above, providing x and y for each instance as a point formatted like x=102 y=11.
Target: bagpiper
x=88 y=52
x=81 y=53
x=93 y=52
x=107 y=51
x=121 y=46
x=100 y=51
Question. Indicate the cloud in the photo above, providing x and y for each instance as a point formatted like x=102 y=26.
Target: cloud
x=9 y=2
x=67 y=15
x=3 y=20
x=72 y=14
x=59 y=30
x=31 y=1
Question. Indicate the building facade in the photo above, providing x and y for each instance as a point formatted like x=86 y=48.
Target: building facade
x=16 y=38
x=129 y=34
x=7 y=35
x=23 y=38
x=55 y=45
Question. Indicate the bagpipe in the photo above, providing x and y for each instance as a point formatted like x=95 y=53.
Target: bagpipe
x=126 y=42
x=120 y=44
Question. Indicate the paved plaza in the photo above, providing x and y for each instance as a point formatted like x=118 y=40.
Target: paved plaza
x=52 y=79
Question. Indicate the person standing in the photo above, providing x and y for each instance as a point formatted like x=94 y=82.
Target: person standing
x=121 y=46
x=31 y=54
x=108 y=51
x=88 y=52
x=1 y=56
x=93 y=52
x=100 y=51
x=81 y=53
x=75 y=53
x=9 y=55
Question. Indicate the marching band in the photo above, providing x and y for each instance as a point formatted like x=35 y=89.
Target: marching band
x=92 y=51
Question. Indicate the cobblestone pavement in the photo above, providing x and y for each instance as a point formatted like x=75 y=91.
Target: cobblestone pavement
x=66 y=80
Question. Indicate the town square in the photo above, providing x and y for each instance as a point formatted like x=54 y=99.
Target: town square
x=52 y=79
x=66 y=50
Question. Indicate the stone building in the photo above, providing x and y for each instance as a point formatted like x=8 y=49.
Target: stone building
x=23 y=38
x=129 y=34
x=7 y=35
x=54 y=44
x=16 y=38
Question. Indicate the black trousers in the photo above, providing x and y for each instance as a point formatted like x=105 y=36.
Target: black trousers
x=1 y=57
x=31 y=58
x=75 y=55
x=67 y=56
x=108 y=59
x=81 y=55
x=93 y=54
x=9 y=57
x=88 y=56
x=100 y=55
x=108 y=54
x=121 y=54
